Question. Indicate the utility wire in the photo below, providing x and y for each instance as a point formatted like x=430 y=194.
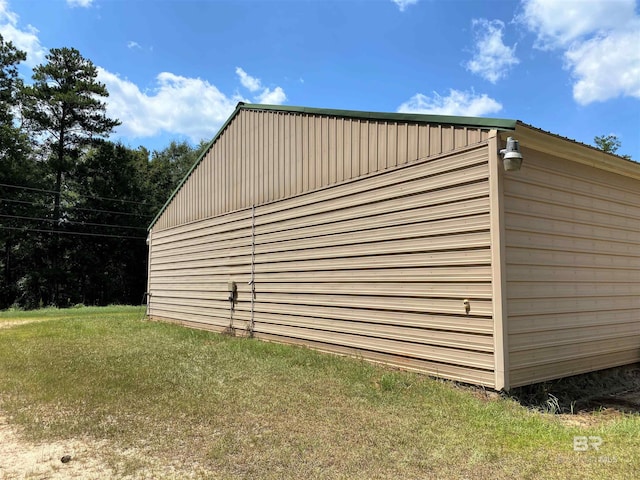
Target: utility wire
x=36 y=204
x=22 y=187
x=71 y=222
x=70 y=233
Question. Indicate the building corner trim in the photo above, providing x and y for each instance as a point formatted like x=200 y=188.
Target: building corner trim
x=498 y=264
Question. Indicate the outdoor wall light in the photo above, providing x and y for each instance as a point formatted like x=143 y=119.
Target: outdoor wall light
x=511 y=155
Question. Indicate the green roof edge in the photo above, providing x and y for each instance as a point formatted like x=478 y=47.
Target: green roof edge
x=483 y=122
x=498 y=123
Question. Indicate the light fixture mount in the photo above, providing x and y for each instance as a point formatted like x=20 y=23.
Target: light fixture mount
x=511 y=155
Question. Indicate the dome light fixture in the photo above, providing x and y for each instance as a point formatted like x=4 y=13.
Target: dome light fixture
x=511 y=155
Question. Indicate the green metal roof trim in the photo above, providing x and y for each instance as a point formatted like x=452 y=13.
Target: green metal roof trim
x=478 y=122
x=497 y=123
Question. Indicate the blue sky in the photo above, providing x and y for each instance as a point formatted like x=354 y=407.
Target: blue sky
x=175 y=69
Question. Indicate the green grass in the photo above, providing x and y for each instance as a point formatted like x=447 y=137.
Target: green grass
x=226 y=407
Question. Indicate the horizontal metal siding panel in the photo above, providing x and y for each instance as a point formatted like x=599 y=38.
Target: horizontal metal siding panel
x=528 y=324
x=592 y=362
x=442 y=370
x=573 y=269
x=404 y=348
x=373 y=331
x=570 y=336
x=430 y=327
x=349 y=267
x=454 y=270
x=265 y=156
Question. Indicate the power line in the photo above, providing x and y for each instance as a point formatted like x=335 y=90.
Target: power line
x=70 y=233
x=25 y=202
x=62 y=192
x=71 y=222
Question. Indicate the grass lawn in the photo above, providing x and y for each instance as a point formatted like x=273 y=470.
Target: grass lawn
x=190 y=403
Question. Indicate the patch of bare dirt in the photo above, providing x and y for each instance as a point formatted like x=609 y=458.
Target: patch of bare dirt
x=13 y=323
x=23 y=460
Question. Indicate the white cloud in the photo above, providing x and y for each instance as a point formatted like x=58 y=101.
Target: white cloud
x=131 y=44
x=492 y=59
x=25 y=39
x=79 y=3
x=186 y=106
x=599 y=40
x=606 y=67
x=177 y=105
x=456 y=103
x=558 y=24
x=250 y=83
x=272 y=97
x=403 y=4
x=253 y=84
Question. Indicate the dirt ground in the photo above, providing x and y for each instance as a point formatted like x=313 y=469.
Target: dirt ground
x=21 y=460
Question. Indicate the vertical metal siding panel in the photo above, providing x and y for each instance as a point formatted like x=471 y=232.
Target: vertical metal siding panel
x=222 y=162
x=228 y=142
x=473 y=136
x=435 y=139
x=289 y=169
x=382 y=133
x=573 y=263
x=271 y=160
x=373 y=147
x=247 y=176
x=424 y=143
x=392 y=145
x=306 y=152
x=289 y=153
x=239 y=162
x=355 y=148
x=412 y=142
x=348 y=144
x=364 y=147
x=263 y=156
x=253 y=147
x=333 y=150
x=460 y=137
x=316 y=172
x=259 y=179
x=340 y=176
x=328 y=156
x=299 y=149
x=231 y=171
x=402 y=143
x=221 y=173
x=448 y=133
x=280 y=154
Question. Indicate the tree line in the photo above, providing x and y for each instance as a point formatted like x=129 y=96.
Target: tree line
x=74 y=206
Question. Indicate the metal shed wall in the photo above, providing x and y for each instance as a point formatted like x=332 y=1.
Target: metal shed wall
x=573 y=266
x=262 y=156
x=377 y=267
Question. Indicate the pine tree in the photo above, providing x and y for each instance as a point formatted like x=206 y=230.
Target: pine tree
x=63 y=108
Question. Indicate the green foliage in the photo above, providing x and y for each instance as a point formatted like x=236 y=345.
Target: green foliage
x=63 y=103
x=609 y=144
x=77 y=234
x=168 y=167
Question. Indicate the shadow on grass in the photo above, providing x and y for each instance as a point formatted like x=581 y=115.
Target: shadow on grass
x=614 y=389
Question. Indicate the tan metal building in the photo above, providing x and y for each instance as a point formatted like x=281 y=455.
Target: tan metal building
x=400 y=238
